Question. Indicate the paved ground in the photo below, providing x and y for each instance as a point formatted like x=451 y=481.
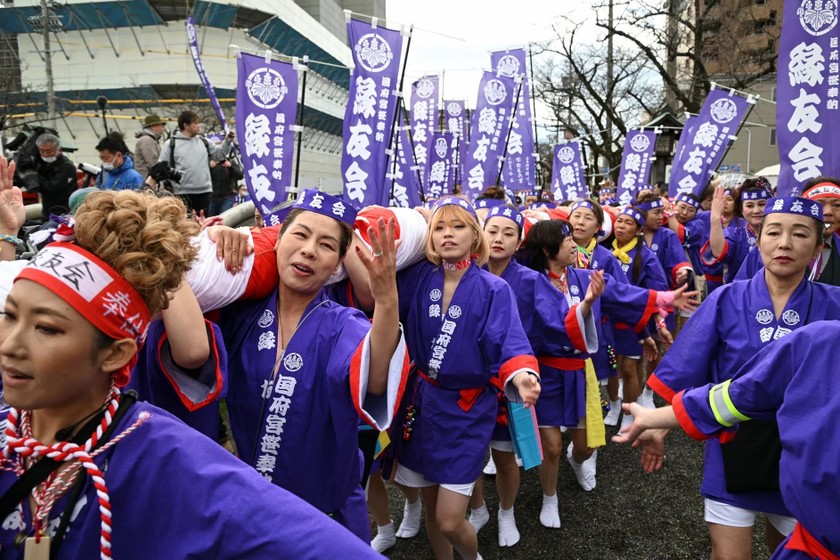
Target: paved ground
x=629 y=515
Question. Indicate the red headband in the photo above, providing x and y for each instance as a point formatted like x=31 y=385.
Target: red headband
x=822 y=190
x=95 y=290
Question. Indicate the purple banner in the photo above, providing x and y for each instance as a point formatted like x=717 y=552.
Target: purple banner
x=440 y=165
x=639 y=149
x=456 y=122
x=807 y=99
x=424 y=119
x=266 y=109
x=370 y=112
x=567 y=178
x=489 y=129
x=705 y=144
x=519 y=167
x=403 y=175
x=202 y=74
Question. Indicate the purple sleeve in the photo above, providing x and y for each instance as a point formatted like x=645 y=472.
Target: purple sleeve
x=628 y=306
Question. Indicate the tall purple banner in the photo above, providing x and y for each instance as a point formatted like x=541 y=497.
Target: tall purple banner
x=202 y=74
x=441 y=160
x=567 y=178
x=371 y=105
x=424 y=119
x=489 y=129
x=266 y=109
x=807 y=101
x=405 y=192
x=681 y=152
x=456 y=122
x=638 y=155
x=705 y=144
x=519 y=167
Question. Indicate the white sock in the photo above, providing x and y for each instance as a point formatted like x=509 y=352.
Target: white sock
x=508 y=533
x=647 y=392
x=410 y=524
x=479 y=517
x=384 y=539
x=550 y=513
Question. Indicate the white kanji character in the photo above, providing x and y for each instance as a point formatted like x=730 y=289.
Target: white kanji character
x=420 y=111
x=280 y=405
x=507 y=213
x=419 y=135
x=633 y=162
x=421 y=153
x=806 y=64
x=266 y=463
x=317 y=201
x=338 y=209
x=694 y=164
x=274 y=424
x=266 y=388
x=359 y=141
x=815 y=211
x=780 y=332
x=514 y=143
x=480 y=153
x=354 y=182
x=443 y=340
x=448 y=326
x=476 y=177
x=269 y=444
x=778 y=205
x=434 y=310
x=116 y=304
x=706 y=135
x=796 y=207
x=805 y=160
x=567 y=175
x=267 y=341
x=257 y=135
x=686 y=184
x=487 y=120
x=438 y=352
x=434 y=365
x=437 y=173
x=260 y=183
x=365 y=101
x=628 y=183
x=805 y=113
x=285 y=385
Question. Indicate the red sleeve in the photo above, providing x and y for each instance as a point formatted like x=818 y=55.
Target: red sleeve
x=214 y=355
x=684 y=419
x=573 y=330
x=515 y=364
x=650 y=309
x=676 y=269
x=661 y=389
x=715 y=260
x=264 y=278
x=681 y=233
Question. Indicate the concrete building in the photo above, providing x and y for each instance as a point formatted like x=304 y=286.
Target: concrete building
x=135 y=53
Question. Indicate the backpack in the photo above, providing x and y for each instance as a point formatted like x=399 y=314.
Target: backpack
x=172 y=150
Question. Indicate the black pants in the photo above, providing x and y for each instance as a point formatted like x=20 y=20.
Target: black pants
x=197 y=202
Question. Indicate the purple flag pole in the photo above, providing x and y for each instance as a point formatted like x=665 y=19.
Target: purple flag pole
x=636 y=159
x=416 y=167
x=536 y=155
x=507 y=138
x=202 y=74
x=400 y=106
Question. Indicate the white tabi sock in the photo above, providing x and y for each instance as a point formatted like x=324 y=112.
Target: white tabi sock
x=384 y=539
x=479 y=517
x=550 y=513
x=410 y=524
x=508 y=533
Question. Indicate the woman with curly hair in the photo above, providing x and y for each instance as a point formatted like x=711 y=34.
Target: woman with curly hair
x=83 y=466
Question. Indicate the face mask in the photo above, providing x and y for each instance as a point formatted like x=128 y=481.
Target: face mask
x=107 y=166
x=49 y=159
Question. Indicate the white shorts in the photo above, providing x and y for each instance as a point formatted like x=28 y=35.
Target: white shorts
x=733 y=516
x=501 y=445
x=414 y=479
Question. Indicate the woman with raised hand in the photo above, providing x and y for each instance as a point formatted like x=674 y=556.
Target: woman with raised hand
x=84 y=467
x=733 y=324
x=561 y=334
x=465 y=336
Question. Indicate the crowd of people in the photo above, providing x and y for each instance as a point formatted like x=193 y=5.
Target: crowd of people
x=354 y=348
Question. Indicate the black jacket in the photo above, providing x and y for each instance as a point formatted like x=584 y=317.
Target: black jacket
x=56 y=182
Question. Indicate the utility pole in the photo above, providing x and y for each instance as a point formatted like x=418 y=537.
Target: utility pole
x=610 y=23
x=46 y=22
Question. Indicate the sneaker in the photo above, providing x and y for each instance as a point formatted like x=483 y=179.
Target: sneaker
x=490 y=467
x=479 y=517
x=410 y=524
x=384 y=539
x=611 y=419
x=585 y=482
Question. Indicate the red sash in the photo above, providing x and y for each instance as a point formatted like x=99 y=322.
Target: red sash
x=803 y=541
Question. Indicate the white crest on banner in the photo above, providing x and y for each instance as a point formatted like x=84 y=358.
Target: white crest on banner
x=453 y=109
x=266 y=88
x=723 y=110
x=508 y=66
x=441 y=146
x=425 y=88
x=191 y=32
x=293 y=362
x=374 y=52
x=566 y=154
x=640 y=142
x=495 y=92
x=817 y=17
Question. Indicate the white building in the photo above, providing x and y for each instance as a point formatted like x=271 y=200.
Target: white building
x=135 y=53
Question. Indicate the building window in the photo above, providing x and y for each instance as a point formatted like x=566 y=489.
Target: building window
x=773 y=94
x=772 y=136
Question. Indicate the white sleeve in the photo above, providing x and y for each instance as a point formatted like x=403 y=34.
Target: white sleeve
x=214 y=287
x=378 y=411
x=8 y=272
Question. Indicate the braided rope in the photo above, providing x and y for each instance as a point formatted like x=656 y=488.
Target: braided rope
x=24 y=446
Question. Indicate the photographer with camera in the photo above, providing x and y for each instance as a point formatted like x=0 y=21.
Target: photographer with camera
x=55 y=177
x=189 y=153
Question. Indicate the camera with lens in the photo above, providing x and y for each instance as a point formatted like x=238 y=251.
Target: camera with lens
x=162 y=172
